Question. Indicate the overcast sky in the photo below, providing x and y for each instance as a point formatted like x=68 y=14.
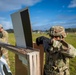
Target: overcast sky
x=43 y=13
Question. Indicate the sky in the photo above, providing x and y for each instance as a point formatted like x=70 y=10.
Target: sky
x=43 y=13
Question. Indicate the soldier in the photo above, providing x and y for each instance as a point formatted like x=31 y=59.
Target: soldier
x=4 y=39
x=57 y=52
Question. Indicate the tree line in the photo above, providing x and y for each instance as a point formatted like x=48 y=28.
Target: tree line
x=70 y=30
x=67 y=30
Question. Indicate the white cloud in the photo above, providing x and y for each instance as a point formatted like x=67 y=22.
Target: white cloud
x=2 y=18
x=8 y=5
x=72 y=4
x=6 y=24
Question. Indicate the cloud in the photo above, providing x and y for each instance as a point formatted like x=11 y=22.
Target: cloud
x=2 y=18
x=72 y=4
x=66 y=17
x=9 y=5
x=6 y=24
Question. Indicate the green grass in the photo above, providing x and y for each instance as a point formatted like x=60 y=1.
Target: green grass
x=71 y=38
x=11 y=54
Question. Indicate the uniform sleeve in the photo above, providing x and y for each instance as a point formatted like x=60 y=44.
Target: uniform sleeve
x=70 y=51
x=1 y=40
x=4 y=39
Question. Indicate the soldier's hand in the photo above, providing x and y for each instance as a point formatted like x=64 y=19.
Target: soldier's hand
x=39 y=40
x=64 y=43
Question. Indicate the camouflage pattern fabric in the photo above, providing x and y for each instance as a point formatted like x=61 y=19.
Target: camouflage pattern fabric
x=4 y=39
x=1 y=35
x=57 y=31
x=57 y=59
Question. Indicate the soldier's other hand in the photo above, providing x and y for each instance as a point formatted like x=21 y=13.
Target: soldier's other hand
x=64 y=43
x=39 y=40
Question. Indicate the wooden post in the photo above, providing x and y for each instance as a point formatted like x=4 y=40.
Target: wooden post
x=41 y=49
x=30 y=64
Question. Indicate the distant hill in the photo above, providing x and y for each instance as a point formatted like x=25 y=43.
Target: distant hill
x=10 y=30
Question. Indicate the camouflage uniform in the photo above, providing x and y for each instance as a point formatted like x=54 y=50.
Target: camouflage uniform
x=4 y=39
x=57 y=56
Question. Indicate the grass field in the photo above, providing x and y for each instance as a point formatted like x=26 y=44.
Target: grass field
x=71 y=38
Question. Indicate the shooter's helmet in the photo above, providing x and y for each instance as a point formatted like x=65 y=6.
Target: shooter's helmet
x=57 y=31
